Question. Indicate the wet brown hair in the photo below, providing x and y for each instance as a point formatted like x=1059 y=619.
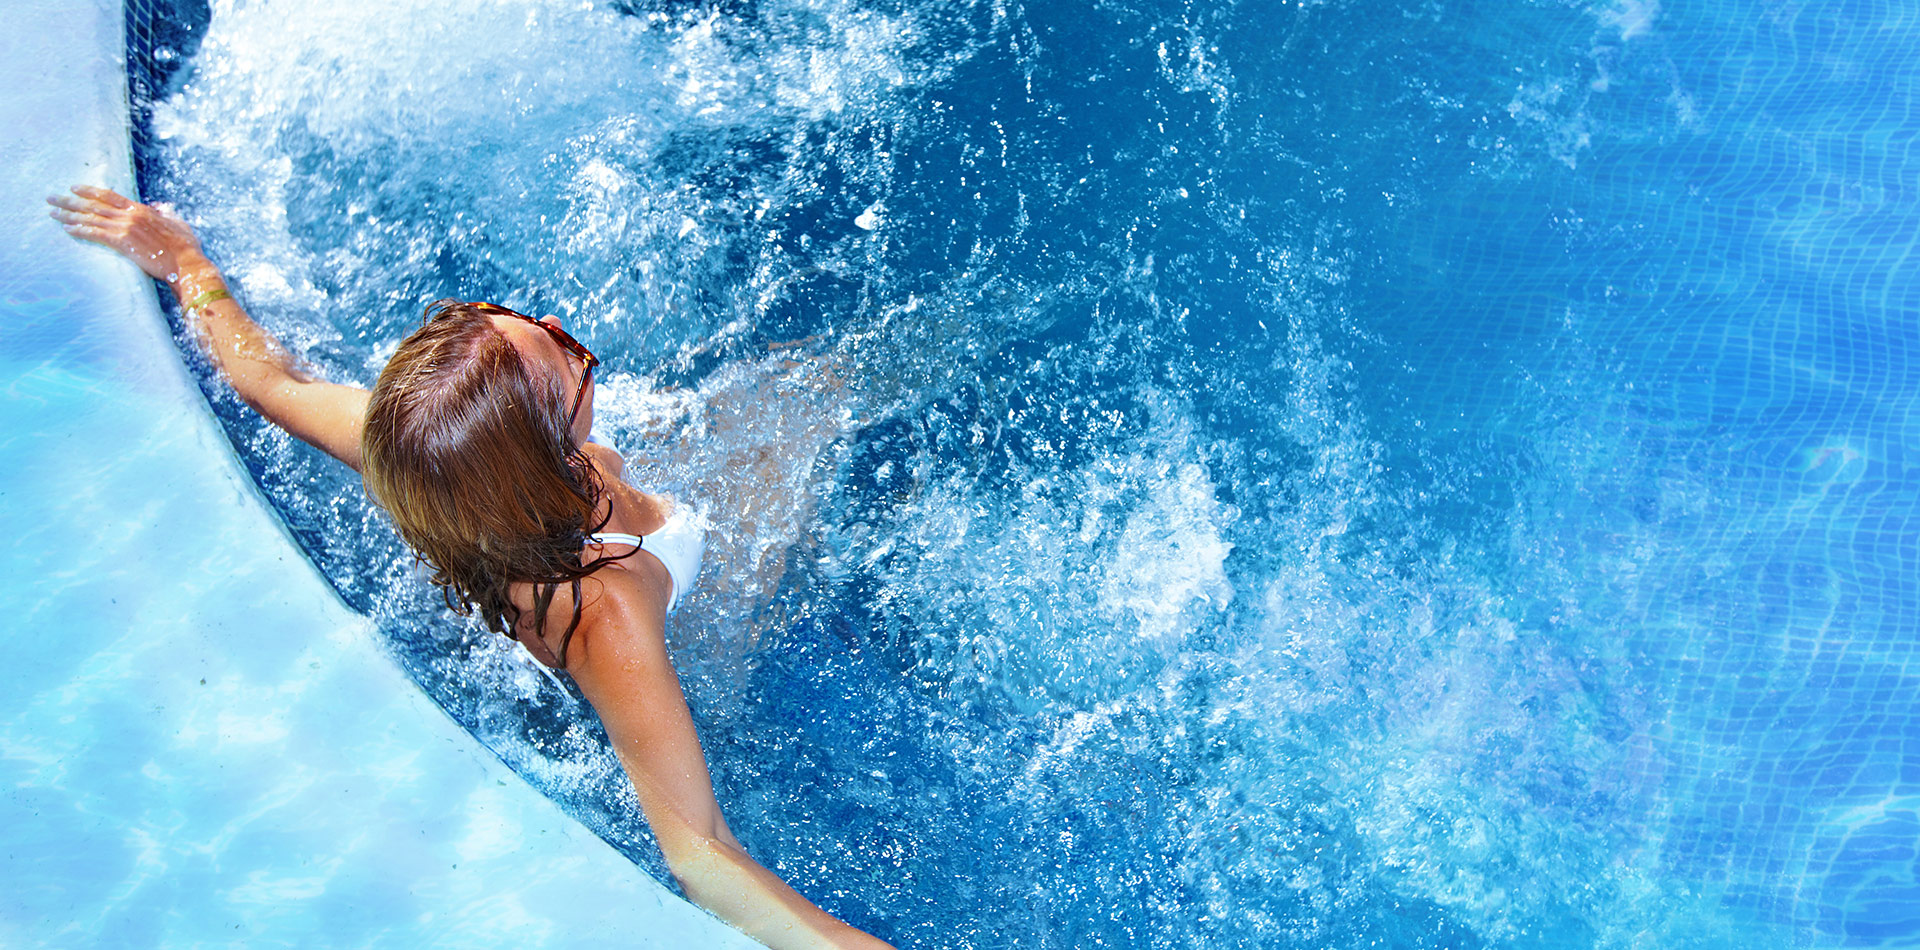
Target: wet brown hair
x=469 y=449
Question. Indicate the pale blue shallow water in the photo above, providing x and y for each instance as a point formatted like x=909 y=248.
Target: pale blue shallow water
x=1336 y=474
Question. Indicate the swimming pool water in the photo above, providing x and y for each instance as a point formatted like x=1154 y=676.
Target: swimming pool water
x=1189 y=473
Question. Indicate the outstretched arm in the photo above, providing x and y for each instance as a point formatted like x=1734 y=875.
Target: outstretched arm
x=326 y=415
x=619 y=659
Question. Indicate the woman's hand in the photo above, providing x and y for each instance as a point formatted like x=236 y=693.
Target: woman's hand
x=160 y=243
x=328 y=416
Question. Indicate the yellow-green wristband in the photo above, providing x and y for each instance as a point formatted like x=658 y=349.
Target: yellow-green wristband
x=205 y=297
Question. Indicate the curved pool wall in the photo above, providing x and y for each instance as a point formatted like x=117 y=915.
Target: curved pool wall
x=1358 y=473
x=199 y=745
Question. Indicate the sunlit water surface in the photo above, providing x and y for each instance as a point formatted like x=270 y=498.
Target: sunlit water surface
x=1186 y=474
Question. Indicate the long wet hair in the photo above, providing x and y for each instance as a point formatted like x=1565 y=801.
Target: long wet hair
x=471 y=453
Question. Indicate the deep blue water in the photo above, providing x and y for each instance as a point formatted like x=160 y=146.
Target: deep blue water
x=1188 y=474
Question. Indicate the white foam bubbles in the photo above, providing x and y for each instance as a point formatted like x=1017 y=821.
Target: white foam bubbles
x=1170 y=558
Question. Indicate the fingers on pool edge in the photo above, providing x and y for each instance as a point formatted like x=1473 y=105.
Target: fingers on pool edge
x=106 y=196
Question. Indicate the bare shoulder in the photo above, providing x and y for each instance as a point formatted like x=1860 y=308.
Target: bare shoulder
x=634 y=511
x=623 y=600
x=609 y=461
x=623 y=607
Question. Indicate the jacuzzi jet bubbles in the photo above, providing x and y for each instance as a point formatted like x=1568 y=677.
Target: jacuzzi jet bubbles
x=1137 y=523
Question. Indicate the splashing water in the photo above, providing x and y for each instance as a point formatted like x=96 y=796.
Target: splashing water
x=1147 y=512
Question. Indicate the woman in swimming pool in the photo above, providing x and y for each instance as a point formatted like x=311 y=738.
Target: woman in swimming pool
x=474 y=439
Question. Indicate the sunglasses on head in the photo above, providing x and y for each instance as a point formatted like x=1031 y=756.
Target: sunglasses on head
x=571 y=346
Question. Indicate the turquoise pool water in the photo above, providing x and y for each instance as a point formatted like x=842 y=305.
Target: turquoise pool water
x=1189 y=474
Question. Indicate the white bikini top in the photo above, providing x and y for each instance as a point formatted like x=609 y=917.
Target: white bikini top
x=677 y=546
